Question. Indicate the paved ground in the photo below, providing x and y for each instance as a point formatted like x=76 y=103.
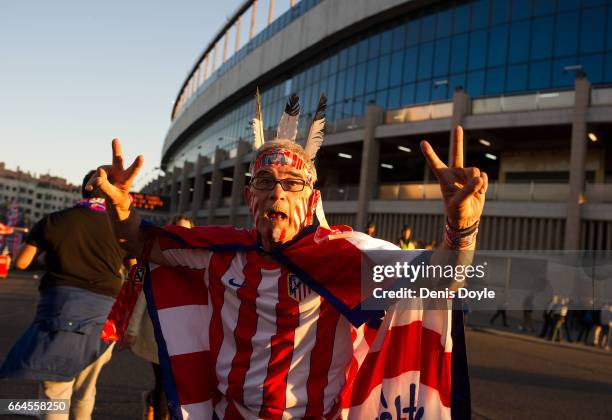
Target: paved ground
x=512 y=375
x=121 y=382
x=515 y=377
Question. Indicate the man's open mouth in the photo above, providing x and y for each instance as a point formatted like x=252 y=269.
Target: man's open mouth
x=276 y=215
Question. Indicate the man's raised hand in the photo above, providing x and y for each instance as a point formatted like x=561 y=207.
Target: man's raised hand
x=463 y=189
x=115 y=181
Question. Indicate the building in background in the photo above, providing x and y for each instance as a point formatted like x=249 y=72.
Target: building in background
x=528 y=79
x=34 y=196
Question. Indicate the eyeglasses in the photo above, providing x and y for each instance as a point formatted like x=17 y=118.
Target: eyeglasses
x=287 y=184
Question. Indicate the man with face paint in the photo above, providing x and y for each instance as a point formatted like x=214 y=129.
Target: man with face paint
x=281 y=196
x=278 y=349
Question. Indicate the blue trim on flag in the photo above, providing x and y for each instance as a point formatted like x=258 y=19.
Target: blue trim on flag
x=356 y=316
x=215 y=248
x=174 y=406
x=234 y=246
x=301 y=234
x=461 y=406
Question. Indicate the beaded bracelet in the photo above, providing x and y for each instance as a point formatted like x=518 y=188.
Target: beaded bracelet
x=460 y=239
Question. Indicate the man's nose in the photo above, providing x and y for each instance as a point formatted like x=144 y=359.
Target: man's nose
x=277 y=192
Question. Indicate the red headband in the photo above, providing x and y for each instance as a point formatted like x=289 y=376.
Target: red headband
x=280 y=157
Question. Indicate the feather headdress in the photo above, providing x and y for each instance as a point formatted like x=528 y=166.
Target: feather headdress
x=315 y=135
x=288 y=125
x=257 y=123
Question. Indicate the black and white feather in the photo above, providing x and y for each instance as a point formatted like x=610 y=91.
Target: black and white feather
x=288 y=125
x=315 y=135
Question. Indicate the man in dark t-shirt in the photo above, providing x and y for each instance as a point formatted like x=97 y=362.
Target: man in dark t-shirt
x=80 y=250
x=62 y=349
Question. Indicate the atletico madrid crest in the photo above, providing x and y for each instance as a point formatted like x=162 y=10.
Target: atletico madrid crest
x=297 y=290
x=137 y=274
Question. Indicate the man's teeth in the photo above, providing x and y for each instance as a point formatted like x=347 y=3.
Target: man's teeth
x=276 y=215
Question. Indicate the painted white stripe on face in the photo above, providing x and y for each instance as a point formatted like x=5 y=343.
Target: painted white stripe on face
x=304 y=210
x=299 y=215
x=295 y=220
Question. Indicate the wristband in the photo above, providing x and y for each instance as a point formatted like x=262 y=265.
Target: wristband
x=460 y=238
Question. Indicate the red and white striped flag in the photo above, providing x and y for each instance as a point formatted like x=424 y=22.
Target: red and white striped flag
x=240 y=336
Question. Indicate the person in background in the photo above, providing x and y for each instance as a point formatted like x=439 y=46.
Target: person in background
x=596 y=326
x=62 y=348
x=569 y=319
x=587 y=321
x=559 y=316
x=371 y=229
x=606 y=323
x=527 y=324
x=548 y=318
x=404 y=241
x=182 y=220
x=499 y=312
x=431 y=246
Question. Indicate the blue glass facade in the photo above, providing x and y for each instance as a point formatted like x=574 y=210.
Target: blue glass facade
x=488 y=47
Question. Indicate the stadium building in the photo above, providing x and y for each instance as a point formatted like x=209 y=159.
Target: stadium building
x=529 y=80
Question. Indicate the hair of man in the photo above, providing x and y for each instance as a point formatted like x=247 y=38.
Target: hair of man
x=95 y=193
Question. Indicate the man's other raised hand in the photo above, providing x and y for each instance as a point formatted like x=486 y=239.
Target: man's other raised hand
x=463 y=189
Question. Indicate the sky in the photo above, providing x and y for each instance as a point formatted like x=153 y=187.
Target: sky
x=75 y=74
